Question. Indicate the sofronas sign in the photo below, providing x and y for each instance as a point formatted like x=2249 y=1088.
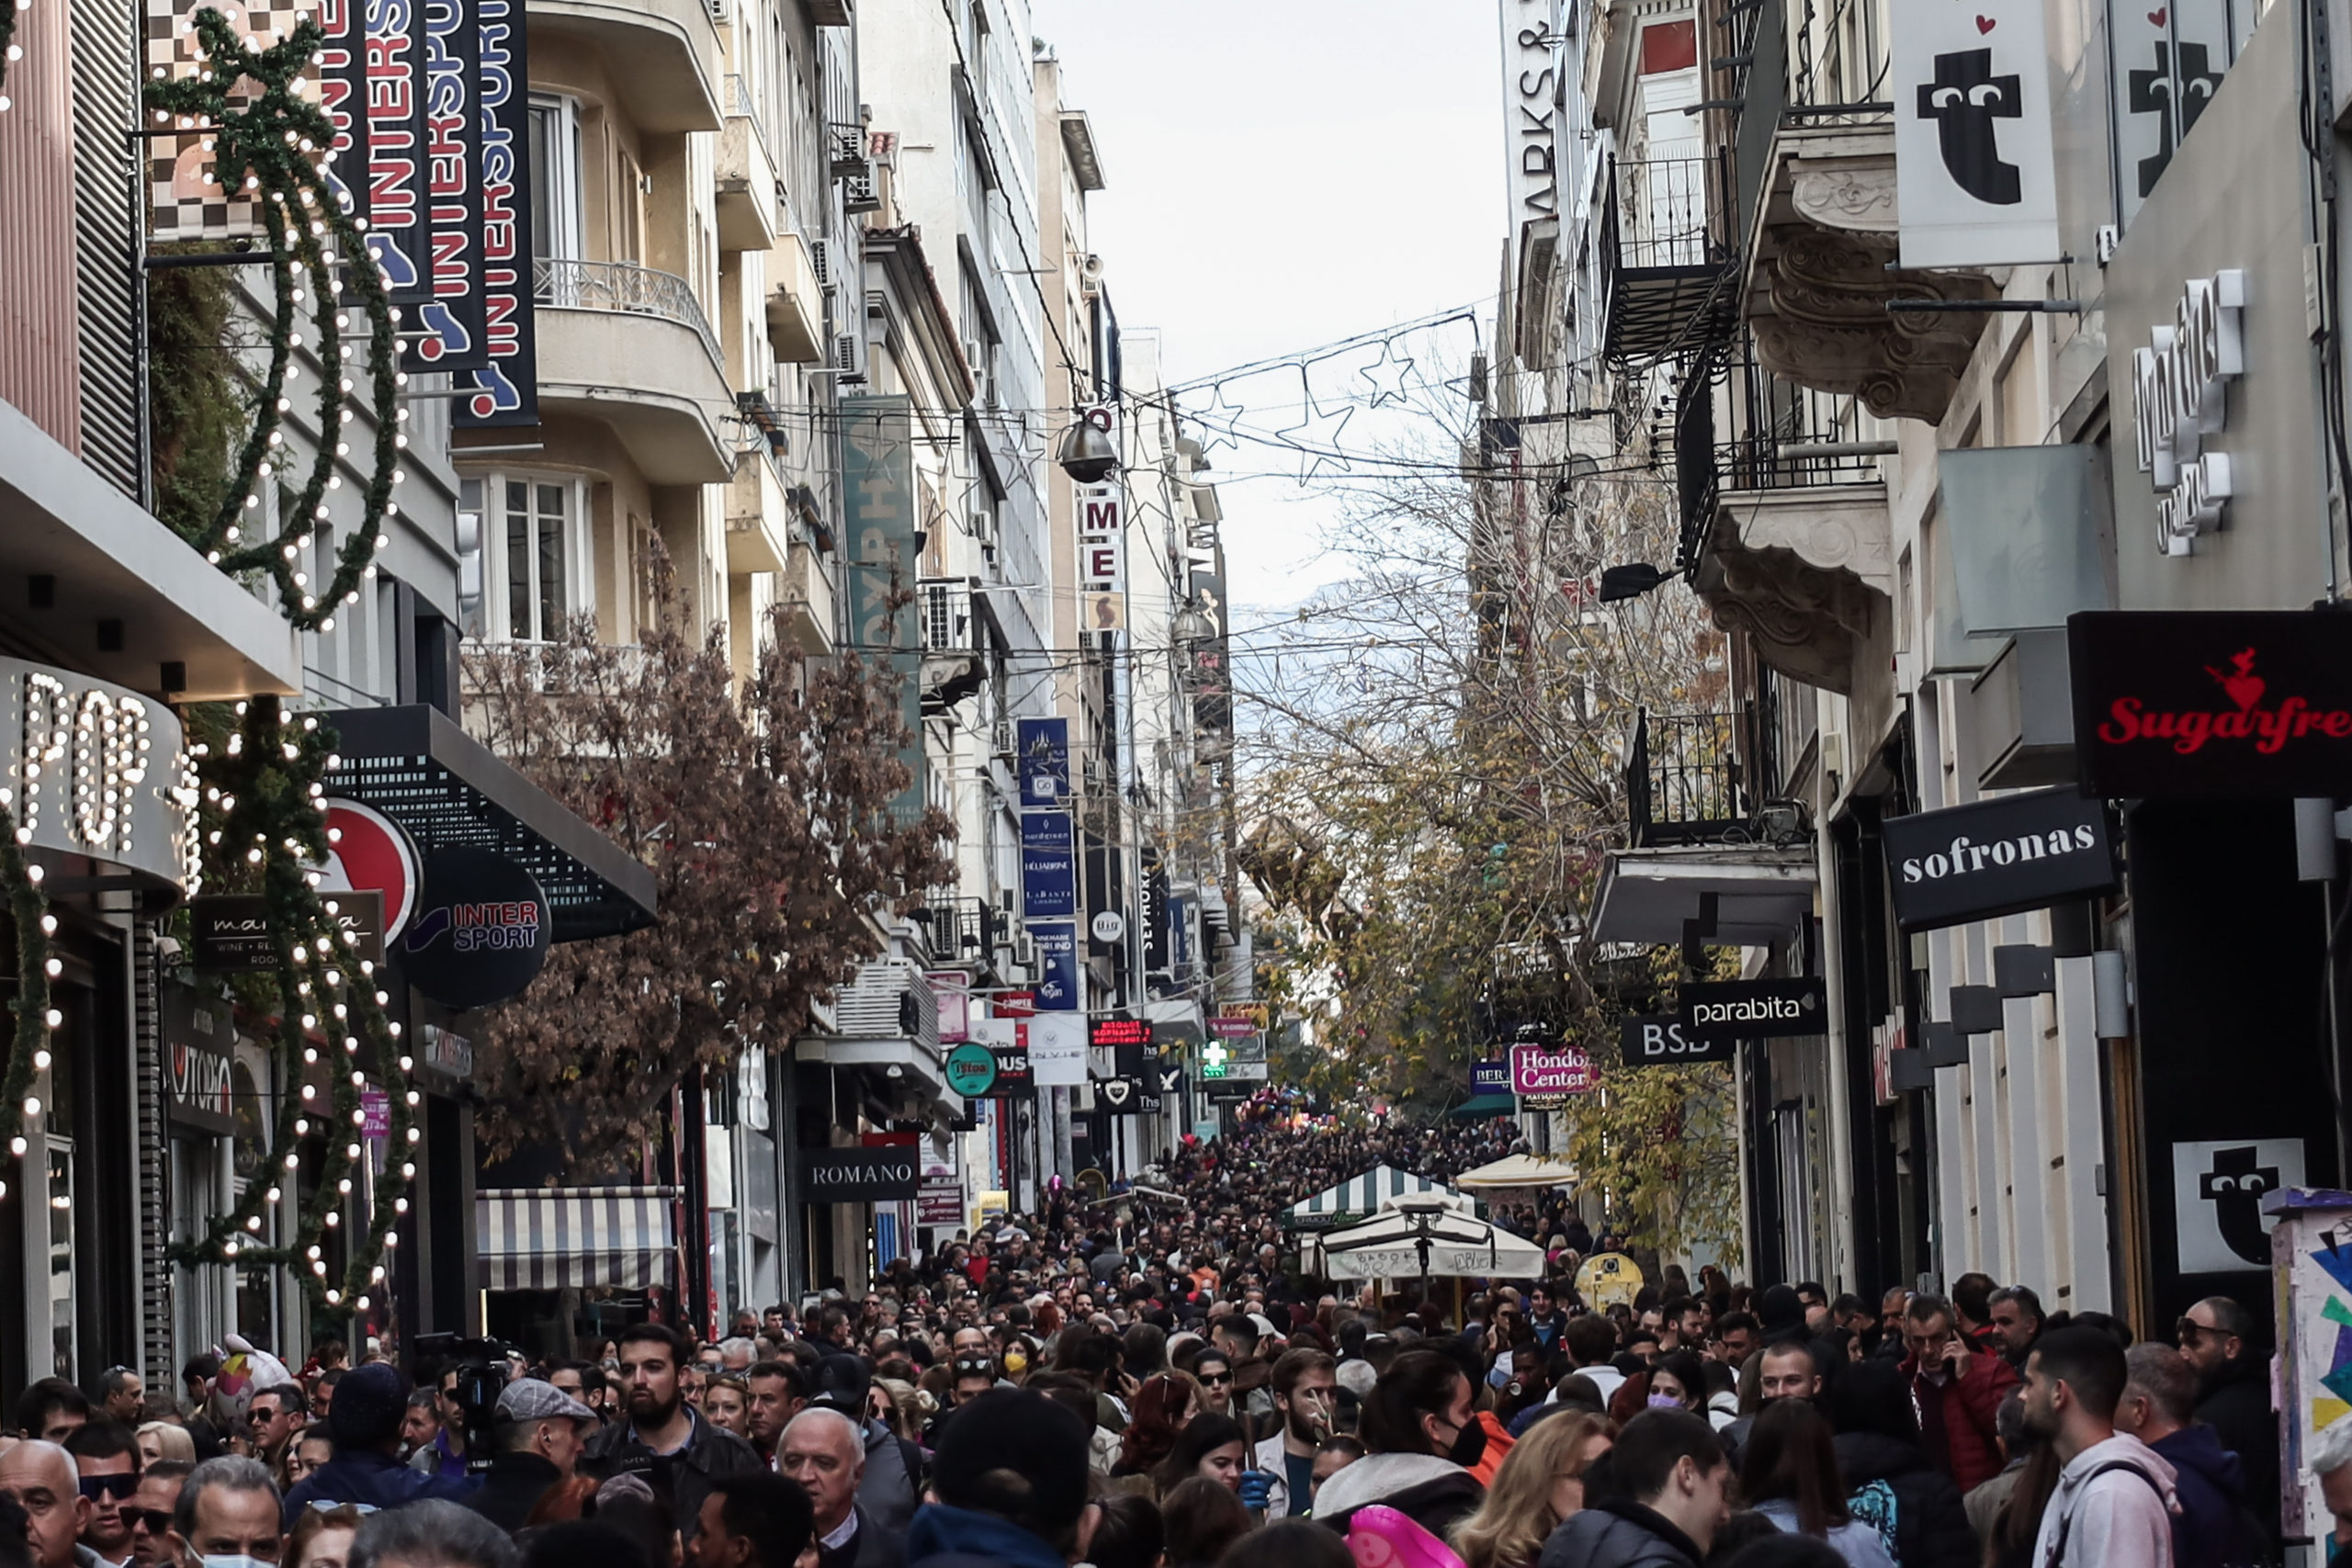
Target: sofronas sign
x=2218 y=704
x=1997 y=857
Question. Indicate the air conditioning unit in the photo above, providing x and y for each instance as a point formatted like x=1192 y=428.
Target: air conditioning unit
x=983 y=527
x=820 y=262
x=719 y=12
x=979 y=386
x=1003 y=739
x=849 y=356
x=1025 y=950
x=859 y=192
x=848 y=148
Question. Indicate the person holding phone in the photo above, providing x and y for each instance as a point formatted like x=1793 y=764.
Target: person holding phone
x=1305 y=1383
x=1957 y=1391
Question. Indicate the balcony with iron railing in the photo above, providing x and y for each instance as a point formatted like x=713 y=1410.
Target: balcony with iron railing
x=630 y=346
x=960 y=930
x=1688 y=777
x=1668 y=258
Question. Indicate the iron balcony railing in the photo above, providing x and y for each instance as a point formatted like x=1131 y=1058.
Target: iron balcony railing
x=627 y=287
x=1781 y=436
x=961 y=929
x=1698 y=778
x=1668 y=276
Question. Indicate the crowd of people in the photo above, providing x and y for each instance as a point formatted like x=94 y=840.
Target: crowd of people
x=1147 y=1381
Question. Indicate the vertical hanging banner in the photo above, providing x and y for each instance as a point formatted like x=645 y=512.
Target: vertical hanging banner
x=1058 y=989
x=878 y=495
x=1102 y=561
x=508 y=378
x=399 y=235
x=1043 y=747
x=452 y=316
x=1976 y=181
x=1048 y=866
x=2166 y=61
x=1531 y=31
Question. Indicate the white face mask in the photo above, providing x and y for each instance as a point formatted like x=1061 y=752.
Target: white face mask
x=237 y=1560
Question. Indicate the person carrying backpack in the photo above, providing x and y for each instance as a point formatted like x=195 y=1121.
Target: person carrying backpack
x=2114 y=1504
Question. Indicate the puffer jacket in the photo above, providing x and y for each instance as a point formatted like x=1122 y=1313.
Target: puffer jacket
x=1965 y=1444
x=1931 y=1528
x=1617 y=1534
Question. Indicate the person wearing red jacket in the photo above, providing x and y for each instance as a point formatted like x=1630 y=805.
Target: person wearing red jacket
x=1958 y=1390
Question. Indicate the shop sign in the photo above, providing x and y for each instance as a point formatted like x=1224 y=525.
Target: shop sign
x=2217 y=1192
x=1120 y=1097
x=1057 y=943
x=1540 y=1068
x=376 y=1113
x=103 y=773
x=1101 y=552
x=1490 y=1077
x=971 y=1070
x=1119 y=1032
x=938 y=1200
x=229 y=930
x=481 y=931
x=1107 y=925
x=1227 y=1027
x=1755 y=1010
x=889 y=1173
x=199 y=1061
x=1058 y=1049
x=1976 y=172
x=1997 y=857
x=1658 y=1042
x=1041 y=751
x=366 y=851
x=2180 y=396
x=1530 y=34
x=2220 y=703
x=1048 y=866
x=952 y=990
x=444 y=1050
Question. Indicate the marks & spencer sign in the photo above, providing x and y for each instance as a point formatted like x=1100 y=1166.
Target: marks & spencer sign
x=2218 y=704
x=1997 y=857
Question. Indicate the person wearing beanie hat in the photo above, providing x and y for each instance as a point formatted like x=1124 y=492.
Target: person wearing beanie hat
x=1011 y=1476
x=364 y=1423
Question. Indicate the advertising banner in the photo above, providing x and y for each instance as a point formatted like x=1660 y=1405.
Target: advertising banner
x=938 y=1200
x=1058 y=984
x=1976 y=182
x=453 y=316
x=509 y=376
x=1537 y=1068
x=1048 y=866
x=1754 y=1009
x=1997 y=857
x=481 y=931
x=1490 y=1077
x=1058 y=1049
x=398 y=212
x=1041 y=749
x=878 y=491
x=2251 y=705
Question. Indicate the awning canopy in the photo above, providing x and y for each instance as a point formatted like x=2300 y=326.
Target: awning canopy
x=543 y=1238
x=1388 y=1246
x=1518 y=1171
x=1482 y=1105
x=1357 y=1197
x=416 y=766
x=1762 y=893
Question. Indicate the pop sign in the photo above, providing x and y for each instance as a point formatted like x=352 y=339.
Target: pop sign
x=1541 y=1069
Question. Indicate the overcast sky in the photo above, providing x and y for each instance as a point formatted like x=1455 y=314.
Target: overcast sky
x=1283 y=174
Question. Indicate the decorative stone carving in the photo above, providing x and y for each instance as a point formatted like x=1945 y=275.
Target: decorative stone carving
x=1805 y=572
x=1818 y=292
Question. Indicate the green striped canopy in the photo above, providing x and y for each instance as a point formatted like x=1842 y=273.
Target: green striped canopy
x=1357 y=1198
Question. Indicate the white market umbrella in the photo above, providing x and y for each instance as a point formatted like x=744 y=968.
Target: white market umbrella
x=1426 y=1237
x=1520 y=1170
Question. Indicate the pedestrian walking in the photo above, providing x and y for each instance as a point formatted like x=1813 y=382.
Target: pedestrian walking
x=824 y=1454
x=660 y=1437
x=1656 y=1502
x=2114 y=1500
x=1420 y=1428
x=431 y=1533
x=369 y=1406
x=2222 y=1341
x=540 y=1432
x=1957 y=1390
x=2213 y=1526
x=1011 y=1479
x=1789 y=1473
x=1916 y=1509
x=1541 y=1483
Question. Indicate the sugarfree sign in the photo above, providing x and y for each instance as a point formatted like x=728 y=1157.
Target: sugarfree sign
x=2180 y=396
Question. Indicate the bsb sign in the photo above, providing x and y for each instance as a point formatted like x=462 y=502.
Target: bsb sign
x=1997 y=857
x=2253 y=704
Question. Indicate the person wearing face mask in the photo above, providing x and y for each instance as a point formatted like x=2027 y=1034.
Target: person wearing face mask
x=227 y=1516
x=1421 y=1426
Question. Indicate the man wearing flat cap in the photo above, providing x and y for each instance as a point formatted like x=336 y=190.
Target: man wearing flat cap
x=539 y=1432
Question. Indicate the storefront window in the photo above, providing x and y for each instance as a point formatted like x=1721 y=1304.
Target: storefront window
x=61 y=1257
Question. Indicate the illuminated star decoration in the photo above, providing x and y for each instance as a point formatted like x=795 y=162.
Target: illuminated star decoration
x=1217 y=422
x=1387 y=374
x=10 y=49
x=1316 y=435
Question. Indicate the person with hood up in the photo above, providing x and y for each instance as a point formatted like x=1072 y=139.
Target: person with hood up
x=364 y=1423
x=2114 y=1504
x=2213 y=1527
x=1889 y=1482
x=1656 y=1500
x=1011 y=1479
x=1421 y=1429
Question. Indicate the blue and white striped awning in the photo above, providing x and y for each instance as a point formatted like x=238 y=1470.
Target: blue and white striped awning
x=543 y=1238
x=1357 y=1198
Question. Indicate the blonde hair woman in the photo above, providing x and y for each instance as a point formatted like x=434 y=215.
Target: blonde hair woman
x=1540 y=1483
x=164 y=1439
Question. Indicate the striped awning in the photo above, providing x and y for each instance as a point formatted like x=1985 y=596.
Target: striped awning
x=542 y=1238
x=1357 y=1198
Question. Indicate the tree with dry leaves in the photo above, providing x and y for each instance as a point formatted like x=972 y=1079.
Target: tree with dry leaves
x=765 y=813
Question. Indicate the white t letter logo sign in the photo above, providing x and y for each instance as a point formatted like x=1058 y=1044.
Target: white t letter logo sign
x=1974 y=179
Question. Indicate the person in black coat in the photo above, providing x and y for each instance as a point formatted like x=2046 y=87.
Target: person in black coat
x=1882 y=1465
x=539 y=1432
x=2220 y=1339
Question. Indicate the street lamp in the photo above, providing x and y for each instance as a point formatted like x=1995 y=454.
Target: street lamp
x=1191 y=624
x=1632 y=580
x=1085 y=453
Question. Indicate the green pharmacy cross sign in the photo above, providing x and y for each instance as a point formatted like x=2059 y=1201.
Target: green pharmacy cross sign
x=1213 y=1057
x=971 y=1070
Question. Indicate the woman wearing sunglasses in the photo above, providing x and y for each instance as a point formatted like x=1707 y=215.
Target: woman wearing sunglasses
x=1214 y=1372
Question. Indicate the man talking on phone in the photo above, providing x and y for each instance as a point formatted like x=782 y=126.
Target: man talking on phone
x=1958 y=1391
x=1306 y=1386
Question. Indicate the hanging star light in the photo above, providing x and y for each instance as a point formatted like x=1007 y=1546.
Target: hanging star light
x=1387 y=374
x=1218 y=422
x=1316 y=435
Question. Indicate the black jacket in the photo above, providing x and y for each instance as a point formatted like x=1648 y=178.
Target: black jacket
x=710 y=1452
x=2237 y=1406
x=871 y=1547
x=512 y=1488
x=1931 y=1528
x=1618 y=1534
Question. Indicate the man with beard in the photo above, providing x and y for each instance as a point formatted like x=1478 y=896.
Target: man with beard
x=660 y=1435
x=1306 y=1386
x=2017 y=1321
x=2114 y=1502
x=2217 y=1337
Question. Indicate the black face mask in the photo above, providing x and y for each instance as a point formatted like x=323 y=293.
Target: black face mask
x=1469 y=1445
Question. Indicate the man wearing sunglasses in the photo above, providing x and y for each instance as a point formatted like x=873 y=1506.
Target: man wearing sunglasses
x=150 y=1512
x=105 y=1461
x=2220 y=1339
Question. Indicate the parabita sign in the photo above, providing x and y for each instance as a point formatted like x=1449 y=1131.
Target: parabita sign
x=2218 y=704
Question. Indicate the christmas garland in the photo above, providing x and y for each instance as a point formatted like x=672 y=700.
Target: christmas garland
x=29 y=1049
x=9 y=51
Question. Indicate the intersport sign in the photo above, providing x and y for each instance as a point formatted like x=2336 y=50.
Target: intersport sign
x=1754 y=1009
x=1997 y=857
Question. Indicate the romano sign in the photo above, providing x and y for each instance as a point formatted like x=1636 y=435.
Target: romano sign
x=1997 y=857
x=883 y=1174
x=1754 y=1009
x=2218 y=704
